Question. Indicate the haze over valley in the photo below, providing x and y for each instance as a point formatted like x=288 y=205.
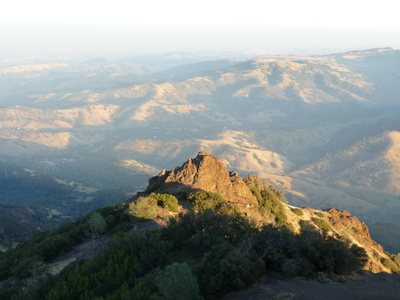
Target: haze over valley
x=210 y=150
x=323 y=128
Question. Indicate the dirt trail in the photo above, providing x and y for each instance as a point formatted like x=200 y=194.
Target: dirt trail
x=87 y=250
x=84 y=251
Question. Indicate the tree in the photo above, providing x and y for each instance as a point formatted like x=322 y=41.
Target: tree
x=176 y=282
x=97 y=225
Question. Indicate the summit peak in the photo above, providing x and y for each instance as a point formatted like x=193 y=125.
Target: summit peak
x=204 y=172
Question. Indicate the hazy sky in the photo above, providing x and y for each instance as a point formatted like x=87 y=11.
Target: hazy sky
x=338 y=13
x=287 y=26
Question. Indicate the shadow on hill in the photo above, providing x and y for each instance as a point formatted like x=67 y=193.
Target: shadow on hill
x=371 y=286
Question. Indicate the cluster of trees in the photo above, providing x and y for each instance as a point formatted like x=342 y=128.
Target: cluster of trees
x=208 y=252
x=46 y=246
x=33 y=195
x=307 y=253
x=203 y=200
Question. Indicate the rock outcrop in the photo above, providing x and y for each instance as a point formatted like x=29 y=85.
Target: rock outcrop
x=205 y=172
x=351 y=227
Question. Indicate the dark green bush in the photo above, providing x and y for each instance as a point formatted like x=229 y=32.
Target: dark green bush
x=197 y=232
x=225 y=269
x=307 y=253
x=322 y=224
x=298 y=211
x=126 y=258
x=203 y=200
x=388 y=263
x=176 y=282
x=168 y=201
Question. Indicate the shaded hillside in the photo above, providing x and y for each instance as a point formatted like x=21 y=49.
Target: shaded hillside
x=220 y=222
x=206 y=172
x=31 y=202
x=381 y=67
x=20 y=222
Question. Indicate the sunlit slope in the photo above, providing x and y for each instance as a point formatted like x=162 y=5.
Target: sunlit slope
x=372 y=163
x=301 y=121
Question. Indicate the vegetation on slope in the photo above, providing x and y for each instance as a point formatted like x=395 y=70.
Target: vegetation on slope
x=31 y=202
x=46 y=246
x=211 y=250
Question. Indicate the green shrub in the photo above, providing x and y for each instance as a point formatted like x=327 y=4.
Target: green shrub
x=298 y=211
x=197 y=232
x=322 y=224
x=126 y=258
x=256 y=193
x=395 y=258
x=203 y=200
x=226 y=269
x=25 y=267
x=176 y=282
x=388 y=263
x=319 y=214
x=144 y=208
x=168 y=201
x=97 y=225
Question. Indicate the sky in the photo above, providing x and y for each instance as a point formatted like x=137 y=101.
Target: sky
x=279 y=26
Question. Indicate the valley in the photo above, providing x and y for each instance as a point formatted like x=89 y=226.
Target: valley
x=324 y=129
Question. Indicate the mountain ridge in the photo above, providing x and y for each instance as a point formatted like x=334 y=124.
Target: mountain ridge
x=220 y=223
x=271 y=116
x=207 y=173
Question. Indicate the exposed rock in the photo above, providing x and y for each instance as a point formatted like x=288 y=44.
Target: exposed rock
x=205 y=172
x=342 y=220
x=349 y=226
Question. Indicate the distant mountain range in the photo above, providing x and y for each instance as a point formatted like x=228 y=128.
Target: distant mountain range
x=325 y=129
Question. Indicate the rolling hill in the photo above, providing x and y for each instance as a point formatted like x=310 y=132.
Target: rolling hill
x=322 y=128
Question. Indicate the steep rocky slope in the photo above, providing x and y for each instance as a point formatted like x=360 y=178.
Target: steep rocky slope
x=206 y=172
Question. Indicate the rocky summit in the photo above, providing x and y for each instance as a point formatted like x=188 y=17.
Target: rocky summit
x=205 y=172
x=208 y=173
